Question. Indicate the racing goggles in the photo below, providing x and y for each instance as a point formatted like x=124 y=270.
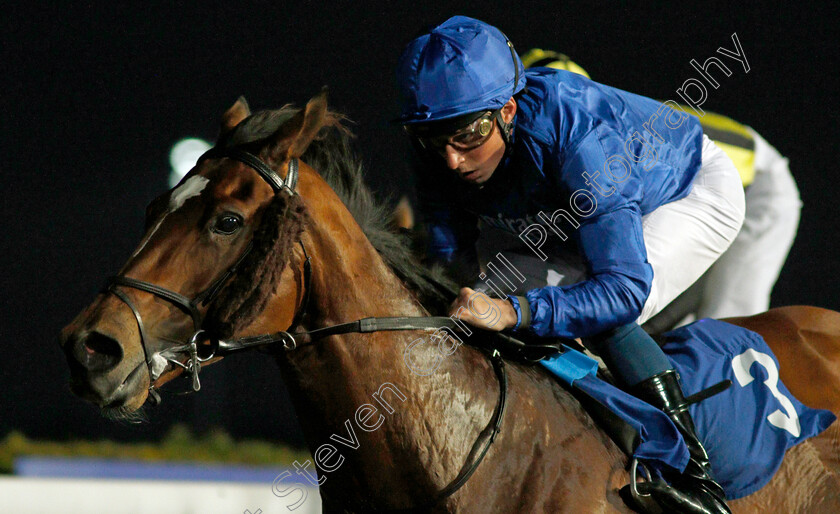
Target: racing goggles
x=437 y=135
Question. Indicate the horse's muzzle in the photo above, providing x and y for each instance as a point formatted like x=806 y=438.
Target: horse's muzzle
x=93 y=351
x=93 y=358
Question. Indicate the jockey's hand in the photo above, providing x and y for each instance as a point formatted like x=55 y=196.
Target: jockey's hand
x=481 y=311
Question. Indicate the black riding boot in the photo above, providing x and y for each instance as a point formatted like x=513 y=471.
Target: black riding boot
x=695 y=490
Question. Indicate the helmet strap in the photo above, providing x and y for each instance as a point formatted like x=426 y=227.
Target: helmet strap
x=515 y=66
x=506 y=127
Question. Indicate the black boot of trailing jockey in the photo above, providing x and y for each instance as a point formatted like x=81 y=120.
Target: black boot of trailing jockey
x=695 y=491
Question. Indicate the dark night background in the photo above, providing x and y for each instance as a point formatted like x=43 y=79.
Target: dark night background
x=93 y=97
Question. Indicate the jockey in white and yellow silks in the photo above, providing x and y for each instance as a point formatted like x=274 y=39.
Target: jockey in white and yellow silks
x=621 y=202
x=739 y=283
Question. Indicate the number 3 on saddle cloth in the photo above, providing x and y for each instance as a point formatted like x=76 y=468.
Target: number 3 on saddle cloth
x=746 y=429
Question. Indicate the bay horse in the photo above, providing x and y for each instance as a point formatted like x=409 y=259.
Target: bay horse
x=325 y=251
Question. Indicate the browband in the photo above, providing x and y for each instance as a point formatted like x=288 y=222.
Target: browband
x=252 y=161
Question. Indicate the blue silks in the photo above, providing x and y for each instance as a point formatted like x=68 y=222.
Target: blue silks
x=569 y=138
x=745 y=430
x=461 y=66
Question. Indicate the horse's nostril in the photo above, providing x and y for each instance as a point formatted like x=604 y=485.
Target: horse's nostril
x=99 y=343
x=97 y=352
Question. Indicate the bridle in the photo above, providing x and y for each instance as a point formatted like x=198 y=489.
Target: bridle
x=158 y=362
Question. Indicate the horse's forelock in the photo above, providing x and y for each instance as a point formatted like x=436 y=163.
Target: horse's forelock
x=261 y=125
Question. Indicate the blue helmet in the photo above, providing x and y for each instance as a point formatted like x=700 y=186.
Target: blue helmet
x=462 y=66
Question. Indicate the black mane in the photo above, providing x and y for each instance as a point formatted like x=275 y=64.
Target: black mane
x=332 y=155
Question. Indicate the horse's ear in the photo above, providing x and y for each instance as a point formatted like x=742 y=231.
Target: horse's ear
x=306 y=124
x=236 y=113
x=313 y=119
x=403 y=215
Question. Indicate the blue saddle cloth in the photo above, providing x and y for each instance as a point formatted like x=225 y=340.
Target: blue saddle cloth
x=746 y=429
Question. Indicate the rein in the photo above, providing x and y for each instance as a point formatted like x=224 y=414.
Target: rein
x=197 y=353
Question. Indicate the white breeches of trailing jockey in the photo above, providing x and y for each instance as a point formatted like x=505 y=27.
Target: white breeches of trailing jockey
x=740 y=282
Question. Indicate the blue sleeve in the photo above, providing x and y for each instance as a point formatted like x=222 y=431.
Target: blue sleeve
x=452 y=233
x=611 y=242
x=451 y=230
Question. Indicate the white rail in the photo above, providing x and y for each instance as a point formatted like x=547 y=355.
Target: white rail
x=25 y=495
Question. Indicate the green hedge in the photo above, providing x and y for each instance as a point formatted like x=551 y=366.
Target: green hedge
x=179 y=444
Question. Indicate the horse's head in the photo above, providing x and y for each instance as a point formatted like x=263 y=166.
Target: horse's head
x=219 y=249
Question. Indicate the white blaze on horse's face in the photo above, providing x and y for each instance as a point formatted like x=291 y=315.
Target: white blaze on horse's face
x=193 y=186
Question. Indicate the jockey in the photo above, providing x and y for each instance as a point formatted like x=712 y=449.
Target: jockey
x=740 y=281
x=635 y=204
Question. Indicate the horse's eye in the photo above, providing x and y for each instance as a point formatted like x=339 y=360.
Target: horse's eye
x=227 y=224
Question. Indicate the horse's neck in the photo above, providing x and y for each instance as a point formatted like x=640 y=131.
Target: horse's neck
x=404 y=436
x=347 y=382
